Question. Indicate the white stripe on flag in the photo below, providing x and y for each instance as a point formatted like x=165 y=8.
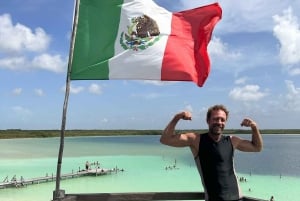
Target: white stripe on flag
x=146 y=63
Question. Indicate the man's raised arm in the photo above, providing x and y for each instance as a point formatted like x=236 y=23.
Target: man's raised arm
x=169 y=137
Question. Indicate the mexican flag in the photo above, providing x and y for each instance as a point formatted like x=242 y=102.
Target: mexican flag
x=137 y=39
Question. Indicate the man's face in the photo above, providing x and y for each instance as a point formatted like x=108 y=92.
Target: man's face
x=216 y=122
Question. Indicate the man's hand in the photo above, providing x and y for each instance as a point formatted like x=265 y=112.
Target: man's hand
x=186 y=115
x=248 y=122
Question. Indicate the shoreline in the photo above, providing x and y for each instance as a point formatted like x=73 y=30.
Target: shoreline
x=18 y=133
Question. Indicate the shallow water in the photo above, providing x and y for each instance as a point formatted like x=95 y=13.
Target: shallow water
x=144 y=161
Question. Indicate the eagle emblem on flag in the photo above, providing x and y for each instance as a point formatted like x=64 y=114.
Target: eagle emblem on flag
x=141 y=33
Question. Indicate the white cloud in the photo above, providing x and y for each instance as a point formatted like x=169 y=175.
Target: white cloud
x=287 y=31
x=292 y=97
x=104 y=120
x=221 y=50
x=49 y=62
x=158 y=83
x=295 y=71
x=73 y=89
x=39 y=92
x=241 y=80
x=95 y=89
x=17 y=91
x=224 y=57
x=44 y=61
x=17 y=38
x=248 y=16
x=17 y=42
x=13 y=63
x=247 y=93
x=76 y=90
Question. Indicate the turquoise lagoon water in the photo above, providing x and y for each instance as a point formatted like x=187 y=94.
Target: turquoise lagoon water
x=275 y=171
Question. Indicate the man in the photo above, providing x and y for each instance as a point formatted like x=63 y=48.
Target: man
x=213 y=152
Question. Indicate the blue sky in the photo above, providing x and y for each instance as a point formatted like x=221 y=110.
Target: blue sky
x=255 y=71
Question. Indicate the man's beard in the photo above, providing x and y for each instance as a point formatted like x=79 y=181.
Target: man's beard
x=216 y=129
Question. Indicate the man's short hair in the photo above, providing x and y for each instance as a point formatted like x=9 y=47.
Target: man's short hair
x=215 y=108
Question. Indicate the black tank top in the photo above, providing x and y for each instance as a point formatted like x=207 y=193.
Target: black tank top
x=217 y=169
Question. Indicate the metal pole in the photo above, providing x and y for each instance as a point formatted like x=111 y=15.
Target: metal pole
x=58 y=194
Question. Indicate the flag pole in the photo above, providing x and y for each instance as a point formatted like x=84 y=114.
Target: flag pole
x=58 y=194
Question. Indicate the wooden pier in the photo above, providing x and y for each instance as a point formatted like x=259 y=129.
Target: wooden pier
x=22 y=182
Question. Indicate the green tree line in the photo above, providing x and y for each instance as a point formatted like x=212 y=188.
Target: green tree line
x=18 y=133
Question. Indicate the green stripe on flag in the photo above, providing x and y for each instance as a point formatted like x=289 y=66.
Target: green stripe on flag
x=97 y=29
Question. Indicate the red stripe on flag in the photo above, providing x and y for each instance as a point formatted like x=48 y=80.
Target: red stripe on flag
x=186 y=57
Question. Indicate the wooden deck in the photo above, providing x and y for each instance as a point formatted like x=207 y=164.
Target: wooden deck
x=14 y=182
